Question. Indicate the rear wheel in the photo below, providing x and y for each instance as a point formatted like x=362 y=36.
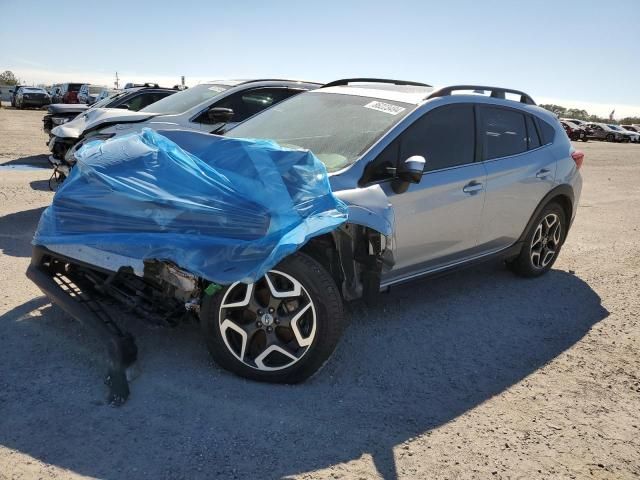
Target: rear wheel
x=280 y=329
x=542 y=244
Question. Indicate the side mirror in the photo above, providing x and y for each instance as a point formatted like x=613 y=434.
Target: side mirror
x=409 y=172
x=219 y=115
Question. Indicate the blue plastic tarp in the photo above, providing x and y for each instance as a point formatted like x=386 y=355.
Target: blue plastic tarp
x=224 y=209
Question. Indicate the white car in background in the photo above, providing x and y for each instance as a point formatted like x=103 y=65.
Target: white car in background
x=209 y=107
x=89 y=93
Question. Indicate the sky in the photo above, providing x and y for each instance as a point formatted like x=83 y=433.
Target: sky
x=572 y=53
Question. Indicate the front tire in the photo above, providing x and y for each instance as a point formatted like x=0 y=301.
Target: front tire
x=281 y=329
x=610 y=138
x=542 y=243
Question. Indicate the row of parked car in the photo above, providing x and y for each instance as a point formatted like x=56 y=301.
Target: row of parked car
x=433 y=179
x=584 y=131
x=24 y=96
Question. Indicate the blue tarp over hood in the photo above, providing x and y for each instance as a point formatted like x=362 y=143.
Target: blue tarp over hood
x=228 y=211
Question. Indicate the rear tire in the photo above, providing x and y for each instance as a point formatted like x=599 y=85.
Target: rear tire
x=542 y=244
x=281 y=329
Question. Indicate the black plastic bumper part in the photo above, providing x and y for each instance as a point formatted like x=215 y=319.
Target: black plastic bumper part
x=82 y=305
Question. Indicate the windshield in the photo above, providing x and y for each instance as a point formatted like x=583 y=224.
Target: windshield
x=185 y=100
x=614 y=127
x=336 y=128
x=33 y=90
x=93 y=89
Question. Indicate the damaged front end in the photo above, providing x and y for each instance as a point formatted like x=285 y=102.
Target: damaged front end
x=153 y=227
x=165 y=295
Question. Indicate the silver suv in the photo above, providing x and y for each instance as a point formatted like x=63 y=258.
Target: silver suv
x=434 y=180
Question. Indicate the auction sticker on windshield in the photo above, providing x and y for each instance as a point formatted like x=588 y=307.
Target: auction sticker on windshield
x=385 y=107
x=216 y=89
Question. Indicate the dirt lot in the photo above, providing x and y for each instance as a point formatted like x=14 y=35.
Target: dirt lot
x=476 y=375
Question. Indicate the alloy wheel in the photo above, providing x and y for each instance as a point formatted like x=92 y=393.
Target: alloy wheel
x=268 y=325
x=546 y=241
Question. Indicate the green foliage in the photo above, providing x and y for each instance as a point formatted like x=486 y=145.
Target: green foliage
x=8 y=78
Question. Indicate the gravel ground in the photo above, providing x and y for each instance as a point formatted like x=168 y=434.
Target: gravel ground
x=475 y=375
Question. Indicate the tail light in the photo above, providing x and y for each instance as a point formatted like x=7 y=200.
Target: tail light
x=578 y=157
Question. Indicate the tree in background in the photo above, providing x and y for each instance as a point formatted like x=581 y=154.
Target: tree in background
x=556 y=109
x=8 y=78
x=579 y=114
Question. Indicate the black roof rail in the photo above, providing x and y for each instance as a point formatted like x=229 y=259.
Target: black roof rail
x=496 y=92
x=277 y=80
x=347 y=81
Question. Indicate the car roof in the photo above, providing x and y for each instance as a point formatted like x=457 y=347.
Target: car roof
x=267 y=82
x=413 y=94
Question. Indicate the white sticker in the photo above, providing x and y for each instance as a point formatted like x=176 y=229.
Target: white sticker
x=385 y=107
x=216 y=89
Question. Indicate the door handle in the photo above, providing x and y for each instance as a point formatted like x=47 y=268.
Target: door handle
x=544 y=173
x=472 y=187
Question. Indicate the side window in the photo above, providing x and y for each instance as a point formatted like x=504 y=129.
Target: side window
x=532 y=133
x=147 y=99
x=547 y=132
x=248 y=103
x=445 y=137
x=137 y=102
x=503 y=132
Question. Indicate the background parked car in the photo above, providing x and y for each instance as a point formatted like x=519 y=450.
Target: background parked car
x=602 y=131
x=135 y=85
x=132 y=99
x=633 y=137
x=582 y=125
x=32 y=97
x=14 y=93
x=209 y=107
x=56 y=93
x=88 y=94
x=69 y=92
x=574 y=132
x=631 y=128
x=106 y=92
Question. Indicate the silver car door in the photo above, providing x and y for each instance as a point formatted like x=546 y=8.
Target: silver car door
x=437 y=220
x=520 y=172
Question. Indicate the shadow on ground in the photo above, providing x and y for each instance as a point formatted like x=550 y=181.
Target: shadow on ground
x=423 y=355
x=16 y=232
x=39 y=161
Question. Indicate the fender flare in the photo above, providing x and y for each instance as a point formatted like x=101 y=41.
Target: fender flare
x=565 y=192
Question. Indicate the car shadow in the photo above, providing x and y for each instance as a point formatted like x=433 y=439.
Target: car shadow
x=36 y=161
x=422 y=355
x=40 y=185
x=16 y=232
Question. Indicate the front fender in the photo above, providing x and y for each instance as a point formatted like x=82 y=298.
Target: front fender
x=369 y=207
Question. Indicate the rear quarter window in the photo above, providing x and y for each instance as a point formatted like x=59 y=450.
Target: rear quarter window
x=547 y=132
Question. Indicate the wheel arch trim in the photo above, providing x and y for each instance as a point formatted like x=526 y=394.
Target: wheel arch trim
x=564 y=195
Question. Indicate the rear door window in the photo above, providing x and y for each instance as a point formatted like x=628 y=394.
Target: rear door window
x=503 y=132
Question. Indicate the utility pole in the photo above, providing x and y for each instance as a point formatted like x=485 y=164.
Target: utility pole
x=117 y=82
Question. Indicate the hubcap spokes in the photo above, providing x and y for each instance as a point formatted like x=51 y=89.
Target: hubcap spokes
x=268 y=325
x=546 y=241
